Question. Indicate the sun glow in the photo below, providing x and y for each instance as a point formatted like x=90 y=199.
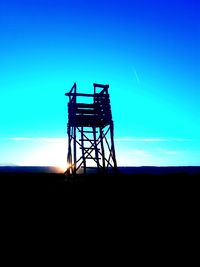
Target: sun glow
x=48 y=154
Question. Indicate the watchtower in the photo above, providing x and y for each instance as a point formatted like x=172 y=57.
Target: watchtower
x=90 y=131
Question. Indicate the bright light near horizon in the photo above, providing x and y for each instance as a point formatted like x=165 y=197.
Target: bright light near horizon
x=27 y=151
x=48 y=154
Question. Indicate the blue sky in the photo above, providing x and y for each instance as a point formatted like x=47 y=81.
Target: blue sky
x=147 y=51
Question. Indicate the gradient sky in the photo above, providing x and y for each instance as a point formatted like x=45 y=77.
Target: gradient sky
x=146 y=50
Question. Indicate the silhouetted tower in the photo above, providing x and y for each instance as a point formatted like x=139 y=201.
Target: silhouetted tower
x=90 y=131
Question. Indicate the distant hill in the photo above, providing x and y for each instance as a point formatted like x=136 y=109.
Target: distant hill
x=29 y=169
x=123 y=170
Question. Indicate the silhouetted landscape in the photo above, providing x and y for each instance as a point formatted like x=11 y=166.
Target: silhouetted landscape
x=132 y=181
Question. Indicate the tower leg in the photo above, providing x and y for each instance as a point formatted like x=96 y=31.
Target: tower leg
x=69 y=155
x=95 y=148
x=102 y=150
x=74 y=163
x=112 y=145
x=82 y=148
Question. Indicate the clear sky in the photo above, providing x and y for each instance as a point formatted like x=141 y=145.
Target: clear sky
x=146 y=50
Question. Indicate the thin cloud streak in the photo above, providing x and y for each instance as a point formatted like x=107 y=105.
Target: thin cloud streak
x=35 y=139
x=170 y=152
x=118 y=139
x=136 y=76
x=135 y=139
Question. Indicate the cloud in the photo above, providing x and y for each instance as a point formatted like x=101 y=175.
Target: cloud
x=138 y=153
x=170 y=152
x=136 y=76
x=118 y=139
x=35 y=139
x=137 y=139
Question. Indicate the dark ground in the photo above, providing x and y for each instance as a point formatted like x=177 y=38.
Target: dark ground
x=142 y=199
x=139 y=182
x=137 y=211
x=145 y=189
